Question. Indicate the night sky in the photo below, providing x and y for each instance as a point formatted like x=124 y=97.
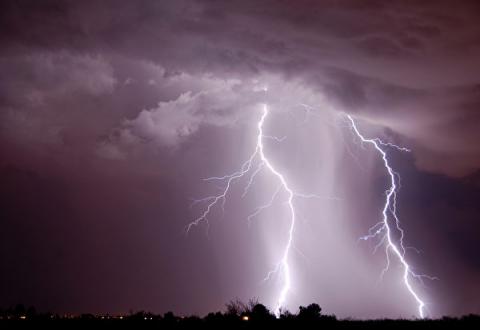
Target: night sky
x=113 y=112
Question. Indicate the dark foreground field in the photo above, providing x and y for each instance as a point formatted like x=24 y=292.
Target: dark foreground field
x=237 y=316
x=463 y=323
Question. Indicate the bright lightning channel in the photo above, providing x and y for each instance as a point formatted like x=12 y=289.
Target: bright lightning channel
x=258 y=161
x=384 y=226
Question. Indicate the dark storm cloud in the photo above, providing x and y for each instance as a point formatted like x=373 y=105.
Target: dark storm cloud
x=109 y=89
x=367 y=57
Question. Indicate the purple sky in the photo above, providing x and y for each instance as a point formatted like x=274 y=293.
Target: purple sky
x=112 y=113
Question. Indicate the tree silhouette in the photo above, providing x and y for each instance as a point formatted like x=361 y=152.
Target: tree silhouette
x=310 y=313
x=260 y=313
x=238 y=315
x=236 y=307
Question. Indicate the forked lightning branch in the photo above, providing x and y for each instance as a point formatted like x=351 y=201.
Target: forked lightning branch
x=259 y=161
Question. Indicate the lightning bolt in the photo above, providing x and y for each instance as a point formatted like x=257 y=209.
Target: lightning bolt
x=254 y=164
x=385 y=225
x=258 y=161
x=284 y=261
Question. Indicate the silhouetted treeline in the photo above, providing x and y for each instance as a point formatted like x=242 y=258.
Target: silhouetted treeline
x=236 y=315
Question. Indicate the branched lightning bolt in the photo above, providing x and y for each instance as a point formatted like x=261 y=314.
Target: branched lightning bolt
x=384 y=226
x=258 y=161
x=286 y=252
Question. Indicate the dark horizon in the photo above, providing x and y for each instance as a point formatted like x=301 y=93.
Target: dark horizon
x=113 y=113
x=233 y=311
